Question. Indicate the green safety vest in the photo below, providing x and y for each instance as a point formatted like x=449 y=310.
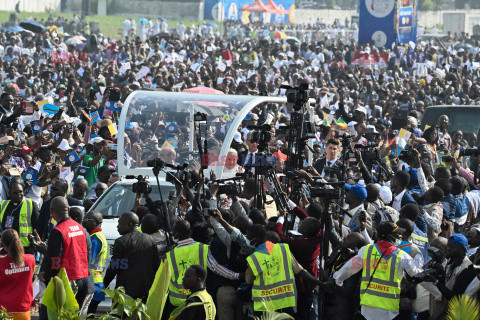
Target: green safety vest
x=100 y=261
x=384 y=289
x=274 y=286
x=206 y=301
x=25 y=219
x=179 y=260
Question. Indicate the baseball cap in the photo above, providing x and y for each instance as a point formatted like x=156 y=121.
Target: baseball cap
x=237 y=136
x=371 y=129
x=97 y=140
x=362 y=110
x=386 y=228
x=459 y=239
x=105 y=168
x=358 y=190
x=386 y=194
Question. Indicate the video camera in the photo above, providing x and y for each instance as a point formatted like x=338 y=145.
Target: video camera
x=370 y=154
x=298 y=95
x=469 y=152
x=262 y=136
x=435 y=267
x=141 y=186
x=233 y=187
x=331 y=194
x=407 y=155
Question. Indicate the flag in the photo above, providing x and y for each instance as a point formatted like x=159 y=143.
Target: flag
x=113 y=129
x=94 y=116
x=71 y=158
x=324 y=103
x=55 y=289
x=404 y=134
x=36 y=126
x=341 y=123
x=157 y=296
x=166 y=144
x=172 y=127
x=50 y=109
x=83 y=170
x=173 y=142
x=31 y=174
x=325 y=120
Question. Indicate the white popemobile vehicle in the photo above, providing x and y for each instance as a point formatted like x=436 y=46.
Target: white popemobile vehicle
x=119 y=198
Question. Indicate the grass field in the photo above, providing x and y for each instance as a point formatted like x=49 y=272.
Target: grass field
x=109 y=25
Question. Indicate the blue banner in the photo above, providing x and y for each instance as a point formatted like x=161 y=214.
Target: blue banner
x=407 y=22
x=230 y=10
x=376 y=22
x=405 y=17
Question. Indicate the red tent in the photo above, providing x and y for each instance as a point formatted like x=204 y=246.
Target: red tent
x=274 y=8
x=257 y=6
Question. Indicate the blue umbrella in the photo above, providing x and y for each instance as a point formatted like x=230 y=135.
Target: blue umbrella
x=33 y=26
x=50 y=108
x=142 y=20
x=211 y=24
x=14 y=29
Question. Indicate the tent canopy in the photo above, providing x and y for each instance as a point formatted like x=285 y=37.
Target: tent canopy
x=274 y=8
x=256 y=6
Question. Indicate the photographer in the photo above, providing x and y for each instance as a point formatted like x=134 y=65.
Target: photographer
x=331 y=150
x=469 y=176
x=459 y=271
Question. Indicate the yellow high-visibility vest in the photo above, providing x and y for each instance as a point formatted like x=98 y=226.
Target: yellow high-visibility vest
x=384 y=286
x=100 y=261
x=25 y=219
x=206 y=301
x=274 y=286
x=179 y=260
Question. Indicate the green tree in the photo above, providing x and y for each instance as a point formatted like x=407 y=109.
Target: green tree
x=426 y=5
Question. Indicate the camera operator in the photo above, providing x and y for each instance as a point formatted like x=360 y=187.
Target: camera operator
x=342 y=302
x=355 y=196
x=459 y=271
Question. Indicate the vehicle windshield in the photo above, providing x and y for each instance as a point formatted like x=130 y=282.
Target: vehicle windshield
x=164 y=125
x=120 y=199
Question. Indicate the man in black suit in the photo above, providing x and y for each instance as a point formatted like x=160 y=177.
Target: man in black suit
x=135 y=259
x=249 y=159
x=332 y=149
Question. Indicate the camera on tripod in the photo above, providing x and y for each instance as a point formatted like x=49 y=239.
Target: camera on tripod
x=262 y=136
x=141 y=186
x=297 y=95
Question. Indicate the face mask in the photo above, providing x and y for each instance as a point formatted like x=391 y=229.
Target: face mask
x=175 y=240
x=397 y=242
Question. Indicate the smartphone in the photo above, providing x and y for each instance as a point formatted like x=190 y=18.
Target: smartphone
x=11 y=142
x=27 y=107
x=112 y=146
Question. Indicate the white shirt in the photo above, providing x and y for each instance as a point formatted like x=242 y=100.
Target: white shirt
x=371 y=313
x=328 y=164
x=397 y=201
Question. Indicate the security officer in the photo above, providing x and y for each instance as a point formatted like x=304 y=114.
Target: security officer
x=199 y=304
x=187 y=253
x=271 y=270
x=19 y=213
x=98 y=257
x=382 y=265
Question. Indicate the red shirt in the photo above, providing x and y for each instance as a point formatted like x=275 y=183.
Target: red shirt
x=16 y=287
x=75 y=254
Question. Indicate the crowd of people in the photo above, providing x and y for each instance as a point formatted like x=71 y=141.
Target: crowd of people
x=399 y=243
